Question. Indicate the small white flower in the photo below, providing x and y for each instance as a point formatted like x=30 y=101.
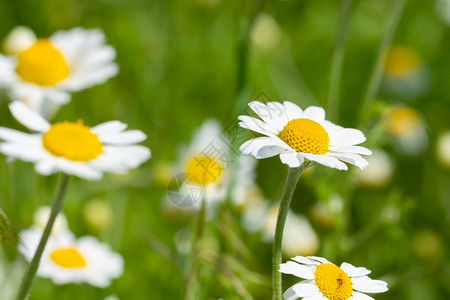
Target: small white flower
x=42 y=215
x=20 y=38
x=443 y=149
x=73 y=148
x=298 y=136
x=69 y=260
x=325 y=280
x=44 y=73
x=379 y=172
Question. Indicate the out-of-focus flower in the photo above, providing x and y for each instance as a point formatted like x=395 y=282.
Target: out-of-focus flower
x=44 y=73
x=42 y=215
x=379 y=172
x=11 y=274
x=299 y=236
x=299 y=136
x=325 y=280
x=404 y=73
x=266 y=32
x=427 y=244
x=443 y=149
x=205 y=165
x=98 y=214
x=442 y=8
x=18 y=39
x=325 y=213
x=73 y=148
x=70 y=260
x=406 y=127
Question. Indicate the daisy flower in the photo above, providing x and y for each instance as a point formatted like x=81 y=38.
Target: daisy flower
x=205 y=165
x=72 y=147
x=299 y=136
x=70 y=260
x=44 y=72
x=325 y=280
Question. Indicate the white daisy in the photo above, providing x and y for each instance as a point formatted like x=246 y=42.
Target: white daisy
x=298 y=136
x=325 y=280
x=69 y=260
x=42 y=215
x=72 y=147
x=44 y=72
x=206 y=163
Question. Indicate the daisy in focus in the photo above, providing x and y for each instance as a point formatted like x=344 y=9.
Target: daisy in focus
x=43 y=72
x=204 y=168
x=70 y=260
x=325 y=280
x=299 y=136
x=72 y=147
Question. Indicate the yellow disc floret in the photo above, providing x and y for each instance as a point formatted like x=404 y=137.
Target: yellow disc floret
x=306 y=136
x=401 y=61
x=73 y=141
x=68 y=258
x=42 y=64
x=332 y=282
x=204 y=170
x=402 y=120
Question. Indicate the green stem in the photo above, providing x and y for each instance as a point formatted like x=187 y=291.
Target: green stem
x=377 y=72
x=338 y=58
x=191 y=275
x=288 y=191
x=57 y=204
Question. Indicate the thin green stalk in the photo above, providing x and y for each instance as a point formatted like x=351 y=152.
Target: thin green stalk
x=338 y=58
x=377 y=72
x=191 y=275
x=288 y=191
x=57 y=204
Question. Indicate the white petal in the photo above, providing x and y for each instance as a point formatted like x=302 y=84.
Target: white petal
x=314 y=113
x=353 y=271
x=306 y=289
x=350 y=158
x=301 y=271
x=319 y=259
x=367 y=285
x=351 y=149
x=360 y=296
x=290 y=294
x=272 y=113
x=80 y=169
x=292 y=110
x=326 y=161
x=28 y=118
x=122 y=138
x=15 y=136
x=253 y=145
x=46 y=167
x=256 y=125
x=347 y=137
x=268 y=151
x=293 y=160
x=109 y=127
x=306 y=260
x=317 y=296
x=21 y=151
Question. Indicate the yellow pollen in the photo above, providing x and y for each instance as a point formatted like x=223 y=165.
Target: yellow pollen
x=68 y=258
x=401 y=61
x=306 y=136
x=73 y=141
x=42 y=64
x=204 y=170
x=402 y=120
x=332 y=282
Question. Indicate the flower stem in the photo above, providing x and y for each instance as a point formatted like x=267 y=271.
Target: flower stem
x=338 y=58
x=33 y=267
x=191 y=275
x=288 y=191
x=377 y=72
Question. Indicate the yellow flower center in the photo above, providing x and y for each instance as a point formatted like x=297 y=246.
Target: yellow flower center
x=401 y=61
x=402 y=121
x=42 y=64
x=332 y=282
x=306 y=136
x=68 y=258
x=73 y=141
x=204 y=170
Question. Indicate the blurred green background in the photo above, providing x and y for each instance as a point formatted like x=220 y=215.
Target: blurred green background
x=179 y=64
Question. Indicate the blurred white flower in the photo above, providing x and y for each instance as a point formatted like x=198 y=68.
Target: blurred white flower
x=443 y=149
x=70 y=260
x=42 y=215
x=325 y=280
x=379 y=172
x=266 y=32
x=98 y=214
x=20 y=38
x=299 y=136
x=73 y=148
x=407 y=129
x=44 y=73
x=442 y=8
